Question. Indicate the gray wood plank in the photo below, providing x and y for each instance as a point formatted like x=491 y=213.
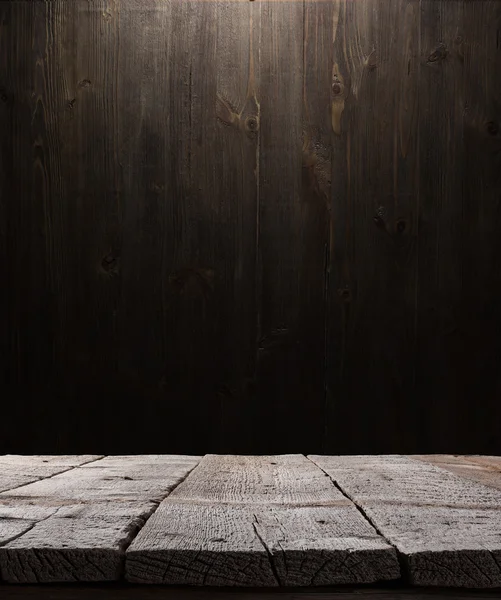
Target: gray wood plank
x=484 y=469
x=446 y=529
x=76 y=525
x=258 y=521
x=17 y=470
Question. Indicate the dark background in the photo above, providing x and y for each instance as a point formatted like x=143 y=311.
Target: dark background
x=250 y=227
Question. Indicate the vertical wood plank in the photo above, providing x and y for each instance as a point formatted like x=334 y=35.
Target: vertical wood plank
x=440 y=347
x=145 y=97
x=480 y=321
x=7 y=354
x=169 y=221
x=94 y=227
x=314 y=210
x=36 y=207
x=235 y=205
x=370 y=357
x=290 y=352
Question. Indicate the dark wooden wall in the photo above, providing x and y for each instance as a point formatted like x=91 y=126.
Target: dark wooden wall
x=250 y=226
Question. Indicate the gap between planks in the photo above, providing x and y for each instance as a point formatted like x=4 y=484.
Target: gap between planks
x=77 y=525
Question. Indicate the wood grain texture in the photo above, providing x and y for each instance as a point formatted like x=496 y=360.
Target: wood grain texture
x=441 y=350
x=484 y=469
x=234 y=194
x=291 y=242
x=445 y=528
x=258 y=521
x=262 y=218
x=76 y=525
x=372 y=264
x=18 y=470
x=481 y=253
x=34 y=84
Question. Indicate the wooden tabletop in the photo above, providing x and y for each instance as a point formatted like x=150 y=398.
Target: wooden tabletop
x=286 y=521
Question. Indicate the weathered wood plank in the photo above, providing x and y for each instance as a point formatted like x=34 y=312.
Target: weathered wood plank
x=263 y=521
x=75 y=526
x=446 y=528
x=17 y=470
x=284 y=479
x=484 y=469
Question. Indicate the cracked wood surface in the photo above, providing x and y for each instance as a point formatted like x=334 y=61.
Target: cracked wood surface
x=17 y=470
x=252 y=520
x=446 y=528
x=258 y=521
x=76 y=525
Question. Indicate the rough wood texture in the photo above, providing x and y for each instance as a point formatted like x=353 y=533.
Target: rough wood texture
x=262 y=521
x=446 y=528
x=484 y=469
x=75 y=526
x=18 y=470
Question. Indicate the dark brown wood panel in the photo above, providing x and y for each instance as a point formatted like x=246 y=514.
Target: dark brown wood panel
x=259 y=220
x=480 y=323
x=7 y=356
x=372 y=284
x=36 y=87
x=315 y=217
x=235 y=198
x=290 y=387
x=441 y=349
x=95 y=226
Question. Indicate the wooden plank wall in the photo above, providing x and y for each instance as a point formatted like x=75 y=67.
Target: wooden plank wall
x=250 y=226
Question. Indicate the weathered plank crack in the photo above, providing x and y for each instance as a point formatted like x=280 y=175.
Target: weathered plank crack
x=268 y=551
x=404 y=568
x=36 y=478
x=28 y=528
x=469 y=558
x=141 y=521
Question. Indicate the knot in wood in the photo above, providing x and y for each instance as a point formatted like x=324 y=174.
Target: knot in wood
x=438 y=54
x=345 y=294
x=337 y=88
x=110 y=264
x=401 y=225
x=492 y=128
x=252 y=123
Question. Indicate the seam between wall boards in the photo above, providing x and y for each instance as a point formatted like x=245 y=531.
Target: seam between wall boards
x=404 y=570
